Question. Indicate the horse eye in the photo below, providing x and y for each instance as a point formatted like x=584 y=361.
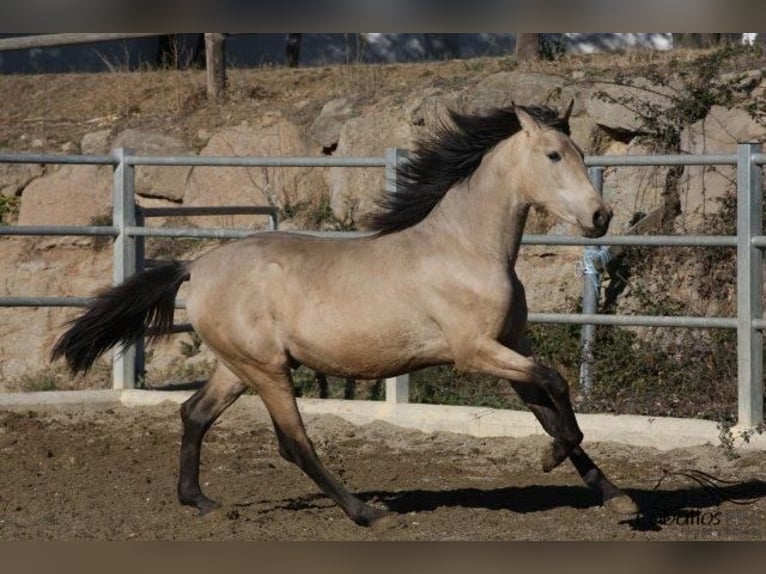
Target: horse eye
x=554 y=156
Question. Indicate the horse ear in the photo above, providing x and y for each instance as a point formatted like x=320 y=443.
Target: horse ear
x=569 y=111
x=528 y=123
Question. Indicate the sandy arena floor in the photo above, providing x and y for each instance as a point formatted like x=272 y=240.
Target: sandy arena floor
x=111 y=475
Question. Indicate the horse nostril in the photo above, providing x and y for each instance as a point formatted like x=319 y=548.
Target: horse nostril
x=601 y=219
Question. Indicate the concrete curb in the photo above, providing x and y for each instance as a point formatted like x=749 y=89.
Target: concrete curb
x=663 y=433
x=60 y=400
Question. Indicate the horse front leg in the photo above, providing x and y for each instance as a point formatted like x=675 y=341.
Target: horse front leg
x=198 y=413
x=545 y=411
x=493 y=358
x=546 y=394
x=541 y=406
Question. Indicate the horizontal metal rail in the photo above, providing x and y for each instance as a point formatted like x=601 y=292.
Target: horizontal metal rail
x=58 y=230
x=195 y=160
x=551 y=240
x=339 y=161
x=542 y=318
x=241 y=161
x=203 y=233
x=529 y=239
x=49 y=158
x=271 y=212
x=635 y=240
x=44 y=301
x=542 y=240
x=659 y=160
x=635 y=320
x=209 y=210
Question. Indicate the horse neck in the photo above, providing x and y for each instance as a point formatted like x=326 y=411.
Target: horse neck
x=486 y=213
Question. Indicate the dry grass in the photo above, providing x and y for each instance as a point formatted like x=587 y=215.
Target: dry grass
x=58 y=378
x=61 y=108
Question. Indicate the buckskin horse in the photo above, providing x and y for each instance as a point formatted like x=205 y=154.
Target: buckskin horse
x=434 y=284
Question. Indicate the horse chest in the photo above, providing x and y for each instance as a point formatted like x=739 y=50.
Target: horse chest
x=495 y=308
x=483 y=300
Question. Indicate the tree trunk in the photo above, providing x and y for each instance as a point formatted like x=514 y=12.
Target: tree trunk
x=293 y=49
x=527 y=46
x=696 y=41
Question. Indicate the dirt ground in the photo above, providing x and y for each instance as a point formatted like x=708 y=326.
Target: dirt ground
x=110 y=475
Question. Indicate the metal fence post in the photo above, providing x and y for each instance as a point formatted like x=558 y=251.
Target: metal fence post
x=140 y=247
x=591 y=277
x=749 y=288
x=397 y=388
x=124 y=258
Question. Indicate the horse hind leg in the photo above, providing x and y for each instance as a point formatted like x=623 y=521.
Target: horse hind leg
x=198 y=413
x=276 y=391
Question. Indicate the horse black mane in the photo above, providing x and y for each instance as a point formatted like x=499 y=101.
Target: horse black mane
x=445 y=157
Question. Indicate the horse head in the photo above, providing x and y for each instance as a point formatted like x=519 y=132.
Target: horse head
x=555 y=176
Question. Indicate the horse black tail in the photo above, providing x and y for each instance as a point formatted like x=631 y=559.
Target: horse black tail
x=121 y=314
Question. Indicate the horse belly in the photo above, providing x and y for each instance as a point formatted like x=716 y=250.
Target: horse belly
x=366 y=348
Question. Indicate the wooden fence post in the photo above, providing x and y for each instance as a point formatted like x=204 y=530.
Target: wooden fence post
x=215 y=63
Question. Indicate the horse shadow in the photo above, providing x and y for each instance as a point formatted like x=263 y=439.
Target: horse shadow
x=691 y=505
x=659 y=507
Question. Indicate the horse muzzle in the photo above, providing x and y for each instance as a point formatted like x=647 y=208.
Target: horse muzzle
x=600 y=223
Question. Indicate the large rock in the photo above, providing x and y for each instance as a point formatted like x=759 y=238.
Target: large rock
x=430 y=106
x=632 y=191
x=353 y=191
x=581 y=130
x=550 y=276
x=27 y=334
x=531 y=89
x=15 y=176
x=96 y=143
x=70 y=195
x=627 y=108
x=505 y=88
x=325 y=130
x=283 y=187
x=703 y=187
x=34 y=267
x=167 y=182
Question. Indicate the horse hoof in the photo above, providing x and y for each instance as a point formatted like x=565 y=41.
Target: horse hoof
x=621 y=504
x=372 y=516
x=203 y=504
x=387 y=521
x=553 y=455
x=207 y=506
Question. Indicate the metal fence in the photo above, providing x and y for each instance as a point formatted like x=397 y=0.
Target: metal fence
x=128 y=230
